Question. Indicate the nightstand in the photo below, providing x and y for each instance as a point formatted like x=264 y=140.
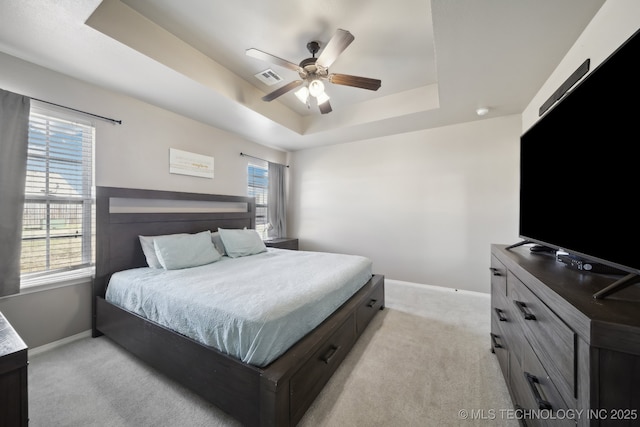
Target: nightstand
x=13 y=376
x=282 y=243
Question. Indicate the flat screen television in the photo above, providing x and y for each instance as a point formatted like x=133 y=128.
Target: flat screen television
x=580 y=168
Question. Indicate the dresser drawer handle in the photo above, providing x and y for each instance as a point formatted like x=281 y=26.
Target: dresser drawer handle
x=500 y=315
x=329 y=355
x=525 y=312
x=494 y=342
x=532 y=380
x=495 y=271
x=372 y=303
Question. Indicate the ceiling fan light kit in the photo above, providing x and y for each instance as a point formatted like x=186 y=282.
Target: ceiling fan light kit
x=313 y=70
x=316 y=88
x=303 y=94
x=322 y=98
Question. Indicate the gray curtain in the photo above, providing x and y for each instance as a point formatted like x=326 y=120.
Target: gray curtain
x=276 y=214
x=14 y=130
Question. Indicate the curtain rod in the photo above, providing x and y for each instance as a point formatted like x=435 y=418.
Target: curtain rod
x=80 y=111
x=258 y=158
x=77 y=111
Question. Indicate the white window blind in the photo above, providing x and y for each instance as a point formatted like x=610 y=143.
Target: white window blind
x=59 y=211
x=258 y=187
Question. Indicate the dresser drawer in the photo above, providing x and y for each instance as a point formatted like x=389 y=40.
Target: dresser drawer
x=504 y=315
x=369 y=307
x=309 y=380
x=501 y=314
x=498 y=277
x=535 y=392
x=500 y=347
x=553 y=340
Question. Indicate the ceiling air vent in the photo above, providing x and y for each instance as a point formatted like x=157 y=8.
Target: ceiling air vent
x=268 y=77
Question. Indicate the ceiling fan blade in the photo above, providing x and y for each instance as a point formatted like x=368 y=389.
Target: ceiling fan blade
x=258 y=54
x=338 y=43
x=355 y=81
x=325 y=107
x=281 y=91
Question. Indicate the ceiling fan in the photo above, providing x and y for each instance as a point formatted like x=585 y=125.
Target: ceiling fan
x=313 y=71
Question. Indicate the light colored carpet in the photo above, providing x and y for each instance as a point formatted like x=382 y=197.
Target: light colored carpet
x=421 y=361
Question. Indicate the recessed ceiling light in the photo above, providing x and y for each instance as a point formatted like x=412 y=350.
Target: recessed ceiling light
x=482 y=111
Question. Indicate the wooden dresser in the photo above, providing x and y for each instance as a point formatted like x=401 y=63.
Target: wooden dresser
x=13 y=377
x=567 y=358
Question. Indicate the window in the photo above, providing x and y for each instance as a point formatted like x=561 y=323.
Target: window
x=59 y=212
x=258 y=187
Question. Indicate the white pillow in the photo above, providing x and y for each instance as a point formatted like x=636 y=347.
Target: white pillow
x=240 y=243
x=185 y=250
x=149 y=251
x=217 y=242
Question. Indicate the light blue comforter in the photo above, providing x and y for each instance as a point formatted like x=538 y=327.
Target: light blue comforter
x=253 y=308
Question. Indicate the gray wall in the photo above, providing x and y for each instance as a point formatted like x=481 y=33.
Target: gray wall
x=424 y=206
x=49 y=315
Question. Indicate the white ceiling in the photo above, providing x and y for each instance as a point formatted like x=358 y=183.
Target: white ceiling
x=438 y=61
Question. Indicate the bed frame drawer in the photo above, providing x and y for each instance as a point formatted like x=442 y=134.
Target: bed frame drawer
x=309 y=380
x=370 y=306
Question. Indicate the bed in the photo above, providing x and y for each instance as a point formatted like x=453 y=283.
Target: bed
x=268 y=390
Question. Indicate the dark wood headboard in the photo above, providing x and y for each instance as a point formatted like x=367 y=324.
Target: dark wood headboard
x=117 y=244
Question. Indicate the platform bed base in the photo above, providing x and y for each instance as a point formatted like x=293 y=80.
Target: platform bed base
x=277 y=395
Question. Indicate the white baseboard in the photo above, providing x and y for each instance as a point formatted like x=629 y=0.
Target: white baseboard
x=433 y=287
x=59 y=343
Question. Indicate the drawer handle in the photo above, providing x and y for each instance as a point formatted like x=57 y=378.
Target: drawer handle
x=329 y=355
x=494 y=342
x=495 y=271
x=525 y=312
x=372 y=303
x=500 y=315
x=532 y=380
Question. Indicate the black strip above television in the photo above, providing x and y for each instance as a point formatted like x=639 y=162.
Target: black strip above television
x=564 y=87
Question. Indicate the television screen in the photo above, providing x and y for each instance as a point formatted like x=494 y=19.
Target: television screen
x=579 y=167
